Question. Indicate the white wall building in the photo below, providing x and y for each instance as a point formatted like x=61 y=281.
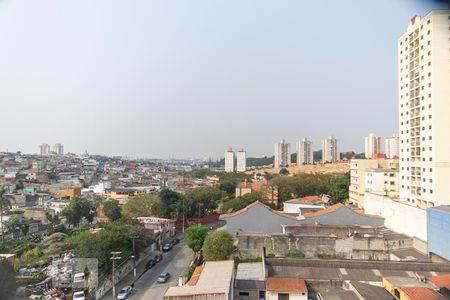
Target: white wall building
x=392 y=146
x=382 y=181
x=305 y=152
x=282 y=154
x=330 y=150
x=424 y=106
x=372 y=145
x=241 y=161
x=229 y=160
x=44 y=149
x=58 y=149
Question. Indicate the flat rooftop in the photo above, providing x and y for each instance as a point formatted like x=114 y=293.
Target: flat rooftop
x=250 y=271
x=215 y=278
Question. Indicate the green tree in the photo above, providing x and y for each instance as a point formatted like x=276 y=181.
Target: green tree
x=242 y=201
x=112 y=210
x=8 y=282
x=284 y=171
x=338 y=190
x=168 y=205
x=142 y=205
x=19 y=185
x=228 y=187
x=78 y=209
x=5 y=203
x=195 y=237
x=202 y=201
x=218 y=246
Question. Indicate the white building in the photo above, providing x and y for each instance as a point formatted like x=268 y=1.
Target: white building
x=229 y=160
x=305 y=152
x=382 y=181
x=392 y=146
x=44 y=149
x=58 y=149
x=372 y=145
x=241 y=161
x=282 y=154
x=330 y=150
x=424 y=106
x=358 y=170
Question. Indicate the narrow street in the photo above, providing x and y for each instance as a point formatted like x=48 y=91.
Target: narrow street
x=146 y=287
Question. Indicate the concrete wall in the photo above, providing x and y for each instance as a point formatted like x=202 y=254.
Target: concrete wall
x=339 y=231
x=439 y=232
x=398 y=216
x=292 y=296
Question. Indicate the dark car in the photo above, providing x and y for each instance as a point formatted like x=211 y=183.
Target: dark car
x=158 y=257
x=175 y=241
x=163 y=277
x=150 y=264
x=167 y=247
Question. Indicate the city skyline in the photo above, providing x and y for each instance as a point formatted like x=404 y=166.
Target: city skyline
x=173 y=69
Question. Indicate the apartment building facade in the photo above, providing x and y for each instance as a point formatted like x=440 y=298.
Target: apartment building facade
x=424 y=93
x=241 y=161
x=229 y=160
x=282 y=153
x=372 y=145
x=330 y=150
x=392 y=146
x=305 y=152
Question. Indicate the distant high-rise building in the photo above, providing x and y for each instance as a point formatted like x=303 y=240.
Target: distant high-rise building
x=44 y=149
x=392 y=145
x=229 y=160
x=58 y=149
x=241 y=165
x=305 y=152
x=330 y=149
x=424 y=106
x=372 y=145
x=282 y=154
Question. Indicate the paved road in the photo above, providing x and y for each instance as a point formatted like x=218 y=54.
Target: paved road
x=145 y=287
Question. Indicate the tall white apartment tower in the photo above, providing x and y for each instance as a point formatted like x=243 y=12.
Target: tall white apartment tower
x=372 y=145
x=58 y=149
x=229 y=160
x=330 y=149
x=304 y=152
x=282 y=154
x=241 y=162
x=392 y=146
x=424 y=106
x=44 y=149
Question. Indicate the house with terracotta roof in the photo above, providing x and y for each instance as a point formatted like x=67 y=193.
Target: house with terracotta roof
x=406 y=288
x=303 y=205
x=286 y=289
x=256 y=218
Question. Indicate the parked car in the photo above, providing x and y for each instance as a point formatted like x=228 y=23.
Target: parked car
x=163 y=277
x=158 y=257
x=175 y=241
x=150 y=264
x=78 y=281
x=124 y=293
x=167 y=247
x=78 y=296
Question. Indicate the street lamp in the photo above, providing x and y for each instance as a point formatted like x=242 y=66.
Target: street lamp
x=134 y=255
x=115 y=256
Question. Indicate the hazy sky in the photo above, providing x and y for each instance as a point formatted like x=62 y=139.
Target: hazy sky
x=179 y=78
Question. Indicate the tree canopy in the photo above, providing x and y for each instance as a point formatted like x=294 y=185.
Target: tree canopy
x=112 y=210
x=218 y=246
x=195 y=237
x=202 y=201
x=78 y=209
x=142 y=205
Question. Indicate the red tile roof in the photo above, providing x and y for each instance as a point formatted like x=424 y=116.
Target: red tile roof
x=324 y=211
x=286 y=285
x=441 y=281
x=238 y=212
x=195 y=276
x=421 y=293
x=309 y=198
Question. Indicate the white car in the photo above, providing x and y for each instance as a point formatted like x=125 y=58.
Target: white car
x=79 y=296
x=124 y=293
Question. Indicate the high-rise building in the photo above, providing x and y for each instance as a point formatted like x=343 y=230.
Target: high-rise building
x=424 y=93
x=58 y=149
x=392 y=145
x=241 y=161
x=330 y=149
x=282 y=154
x=44 y=149
x=304 y=152
x=229 y=160
x=372 y=145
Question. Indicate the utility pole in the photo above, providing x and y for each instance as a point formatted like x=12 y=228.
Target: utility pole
x=115 y=256
x=134 y=256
